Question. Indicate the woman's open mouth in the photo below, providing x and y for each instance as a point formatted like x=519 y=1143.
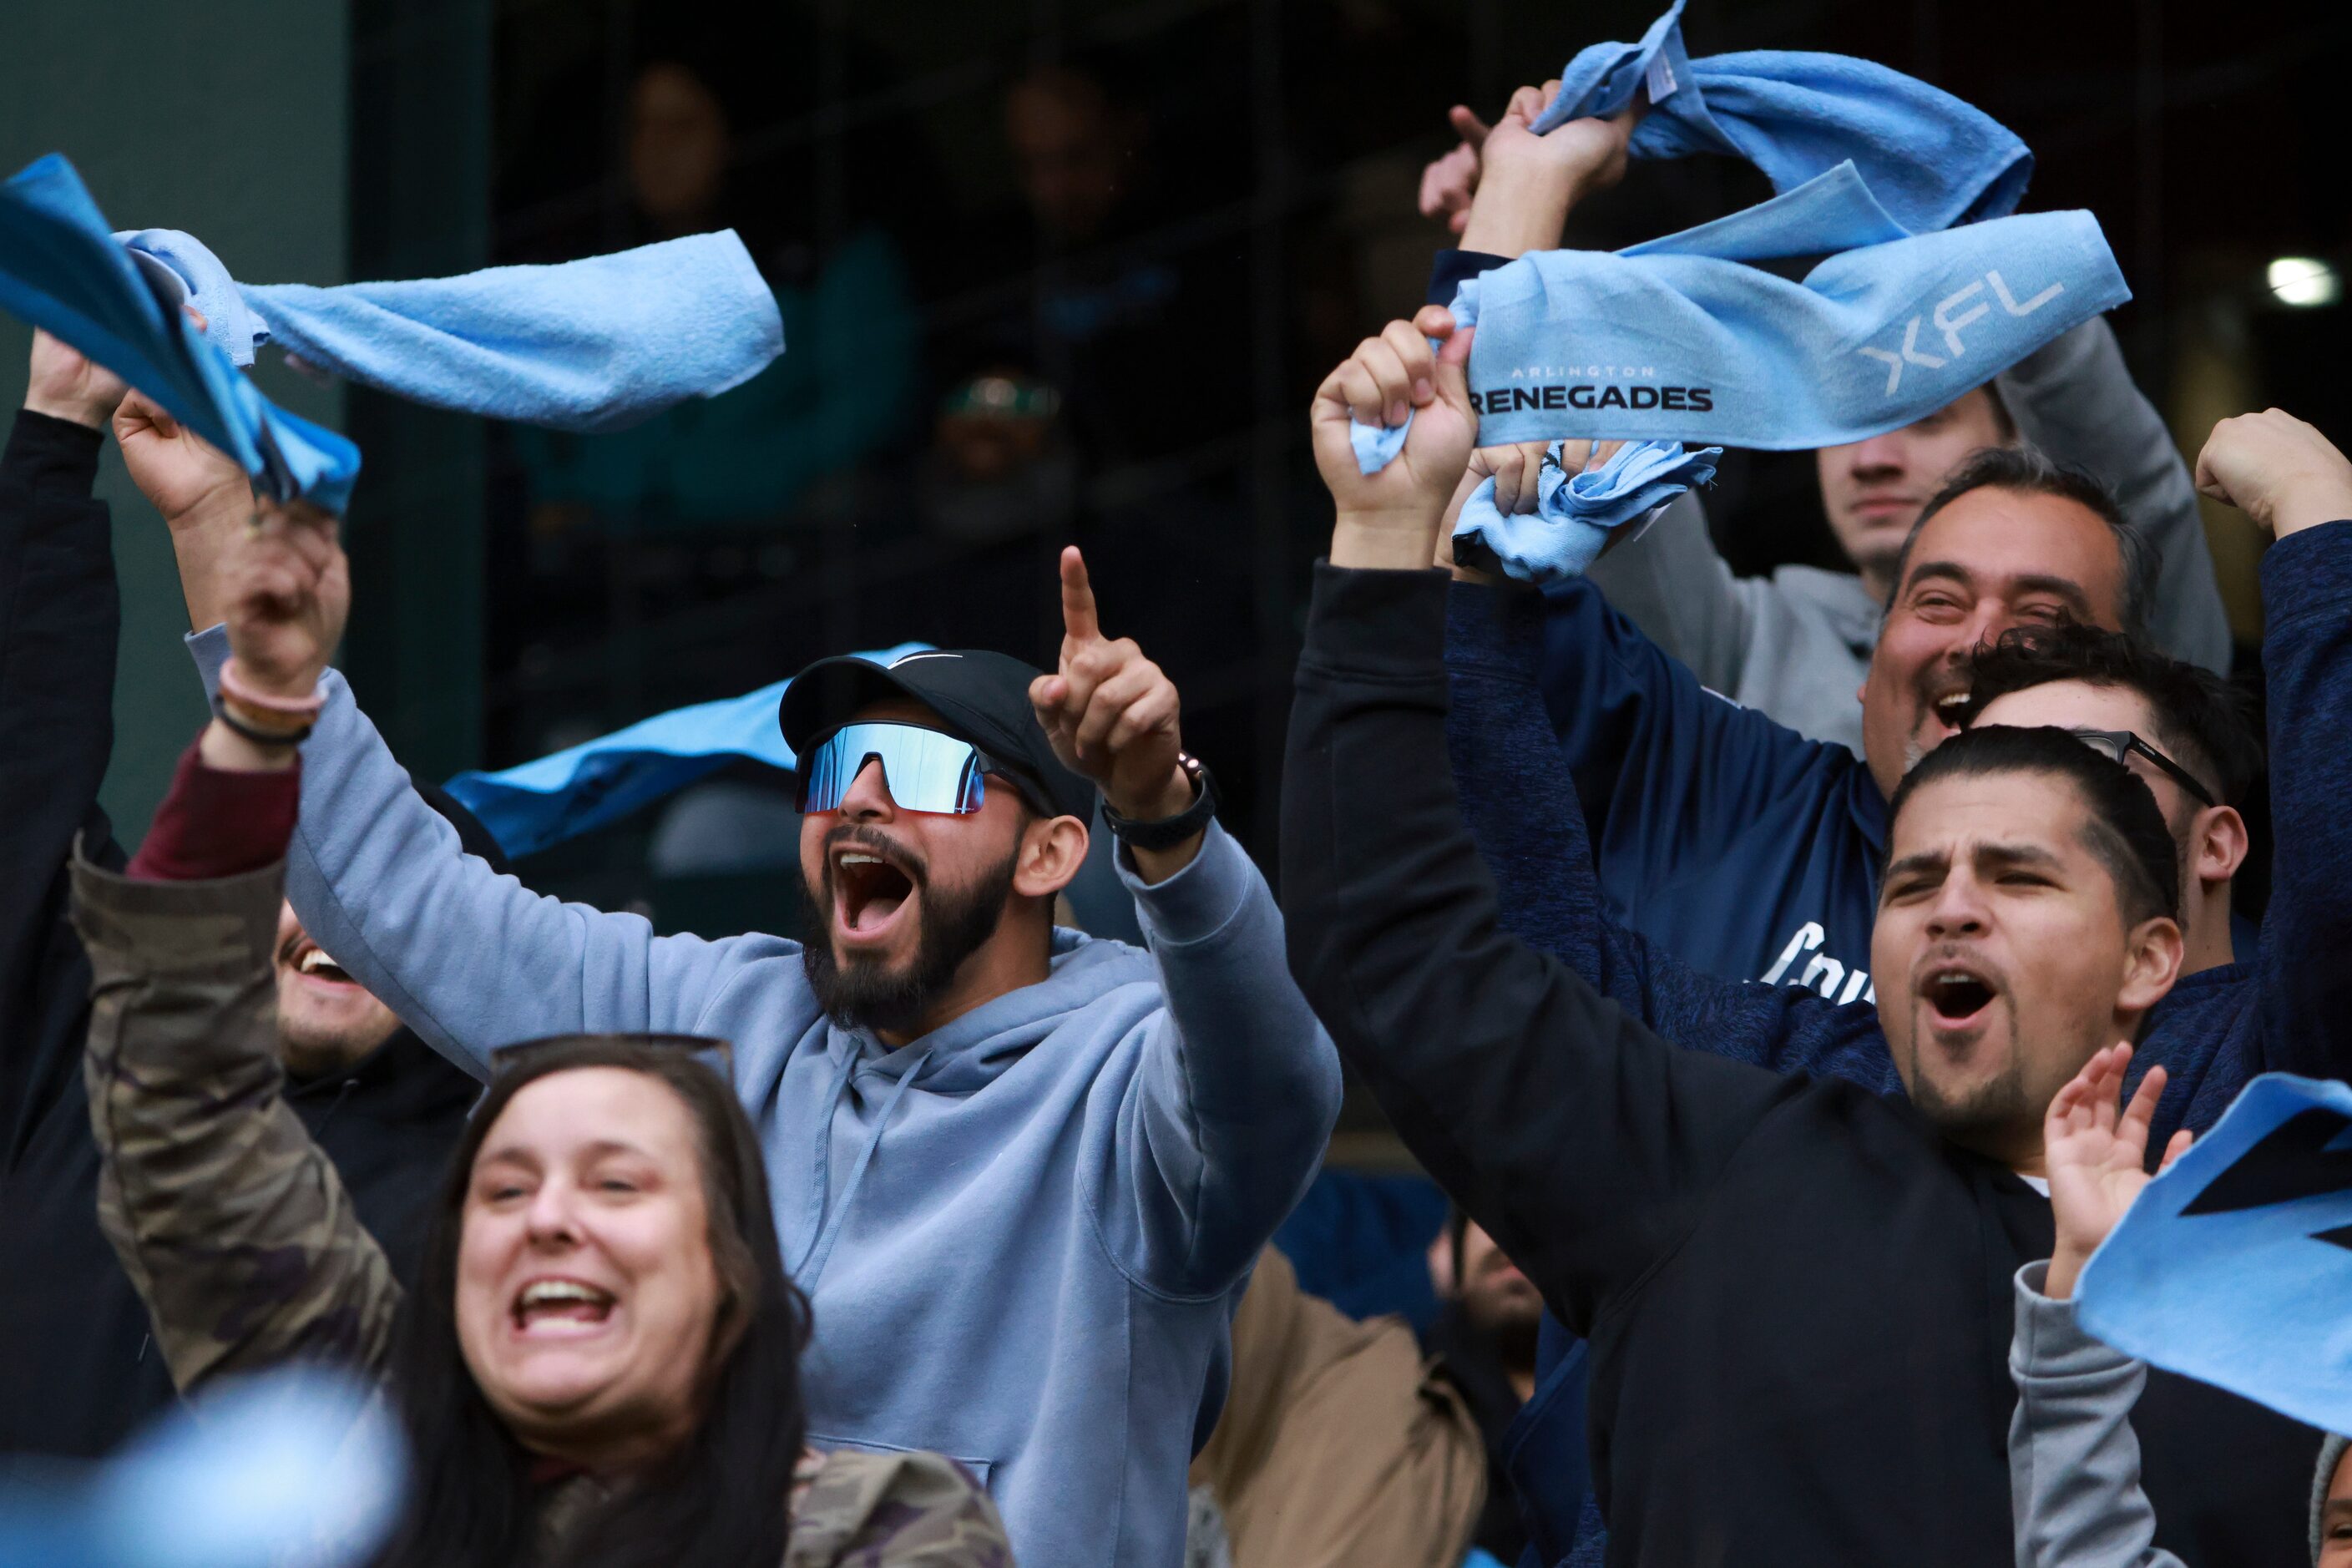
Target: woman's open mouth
x=561 y=1309
x=869 y=893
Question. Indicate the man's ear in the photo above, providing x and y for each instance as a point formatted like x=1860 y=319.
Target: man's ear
x=1052 y=850
x=2152 y=956
x=2216 y=844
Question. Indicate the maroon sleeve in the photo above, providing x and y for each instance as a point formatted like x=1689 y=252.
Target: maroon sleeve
x=219 y=823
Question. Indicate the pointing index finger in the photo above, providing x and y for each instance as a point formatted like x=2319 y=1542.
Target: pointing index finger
x=1078 y=621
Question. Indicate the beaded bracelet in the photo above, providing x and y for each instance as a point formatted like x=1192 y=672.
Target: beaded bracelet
x=233 y=687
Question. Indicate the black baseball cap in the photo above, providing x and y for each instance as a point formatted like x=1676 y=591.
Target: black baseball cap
x=981 y=698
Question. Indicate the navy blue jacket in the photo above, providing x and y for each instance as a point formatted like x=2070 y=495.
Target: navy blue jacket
x=1688 y=796
x=2279 y=1012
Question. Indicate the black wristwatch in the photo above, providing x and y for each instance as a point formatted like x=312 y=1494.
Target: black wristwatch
x=1167 y=832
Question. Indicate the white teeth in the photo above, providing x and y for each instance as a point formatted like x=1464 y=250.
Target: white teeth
x=315 y=959
x=861 y=859
x=543 y=1290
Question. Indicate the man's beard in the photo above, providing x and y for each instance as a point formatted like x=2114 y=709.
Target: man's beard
x=1510 y=1334
x=956 y=922
x=1989 y=1118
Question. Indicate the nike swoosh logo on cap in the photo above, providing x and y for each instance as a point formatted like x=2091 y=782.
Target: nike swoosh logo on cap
x=911 y=658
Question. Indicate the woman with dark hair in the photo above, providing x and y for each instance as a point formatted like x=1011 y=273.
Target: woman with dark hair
x=599 y=1364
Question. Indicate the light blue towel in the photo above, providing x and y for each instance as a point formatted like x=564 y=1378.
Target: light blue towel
x=590 y=345
x=1933 y=160
x=297 y=1467
x=1575 y=512
x=578 y=789
x=2236 y=1265
x=1680 y=339
x=61 y=269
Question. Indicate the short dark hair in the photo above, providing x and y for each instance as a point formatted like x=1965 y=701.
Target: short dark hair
x=2027 y=472
x=2202 y=722
x=2126 y=831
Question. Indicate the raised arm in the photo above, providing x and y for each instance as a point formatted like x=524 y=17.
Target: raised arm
x=233 y=1225
x=470 y=959
x=1237 y=1088
x=2074 y=1459
x=2075 y=399
x=1584 y=1143
x=1521 y=808
x=60 y=619
x=2291 y=480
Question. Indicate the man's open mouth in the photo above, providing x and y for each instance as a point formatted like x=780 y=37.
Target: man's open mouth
x=310 y=960
x=868 y=890
x=1947 y=706
x=558 y=1307
x=1956 y=996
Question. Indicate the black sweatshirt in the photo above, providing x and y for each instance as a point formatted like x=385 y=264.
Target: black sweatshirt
x=77 y=1373
x=1798 y=1295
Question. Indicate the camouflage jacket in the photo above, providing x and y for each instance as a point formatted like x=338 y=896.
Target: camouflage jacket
x=235 y=1228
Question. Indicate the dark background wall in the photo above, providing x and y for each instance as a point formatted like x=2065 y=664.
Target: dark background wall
x=914 y=178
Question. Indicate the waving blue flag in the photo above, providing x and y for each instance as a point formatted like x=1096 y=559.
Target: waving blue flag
x=1933 y=159
x=62 y=270
x=1683 y=339
x=535 y=804
x=2236 y=1265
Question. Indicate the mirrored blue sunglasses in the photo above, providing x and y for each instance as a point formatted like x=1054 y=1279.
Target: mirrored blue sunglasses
x=924 y=770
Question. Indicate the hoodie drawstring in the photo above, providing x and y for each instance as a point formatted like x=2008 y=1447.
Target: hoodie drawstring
x=820 y=1247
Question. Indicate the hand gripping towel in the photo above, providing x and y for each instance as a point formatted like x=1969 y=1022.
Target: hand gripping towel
x=2234 y=1267
x=540 y=804
x=592 y=345
x=1681 y=339
x=1576 y=512
x=1933 y=160
x=61 y=269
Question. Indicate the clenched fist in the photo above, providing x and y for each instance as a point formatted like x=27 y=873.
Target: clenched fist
x=1391 y=517
x=288 y=593
x=2277 y=469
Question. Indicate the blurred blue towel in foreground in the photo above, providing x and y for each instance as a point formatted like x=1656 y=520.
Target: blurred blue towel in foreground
x=299 y=1467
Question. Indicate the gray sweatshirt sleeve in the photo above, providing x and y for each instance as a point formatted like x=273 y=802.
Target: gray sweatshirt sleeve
x=2076 y=401
x=2073 y=1461
x=469 y=958
x=1223 y=1122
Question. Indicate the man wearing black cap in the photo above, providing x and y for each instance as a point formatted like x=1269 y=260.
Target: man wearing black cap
x=1021 y=1175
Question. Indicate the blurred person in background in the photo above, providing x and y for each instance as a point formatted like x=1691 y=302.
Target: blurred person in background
x=843 y=389
x=81 y=1370
x=1340 y=1443
x=1796 y=645
x=1484 y=1339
